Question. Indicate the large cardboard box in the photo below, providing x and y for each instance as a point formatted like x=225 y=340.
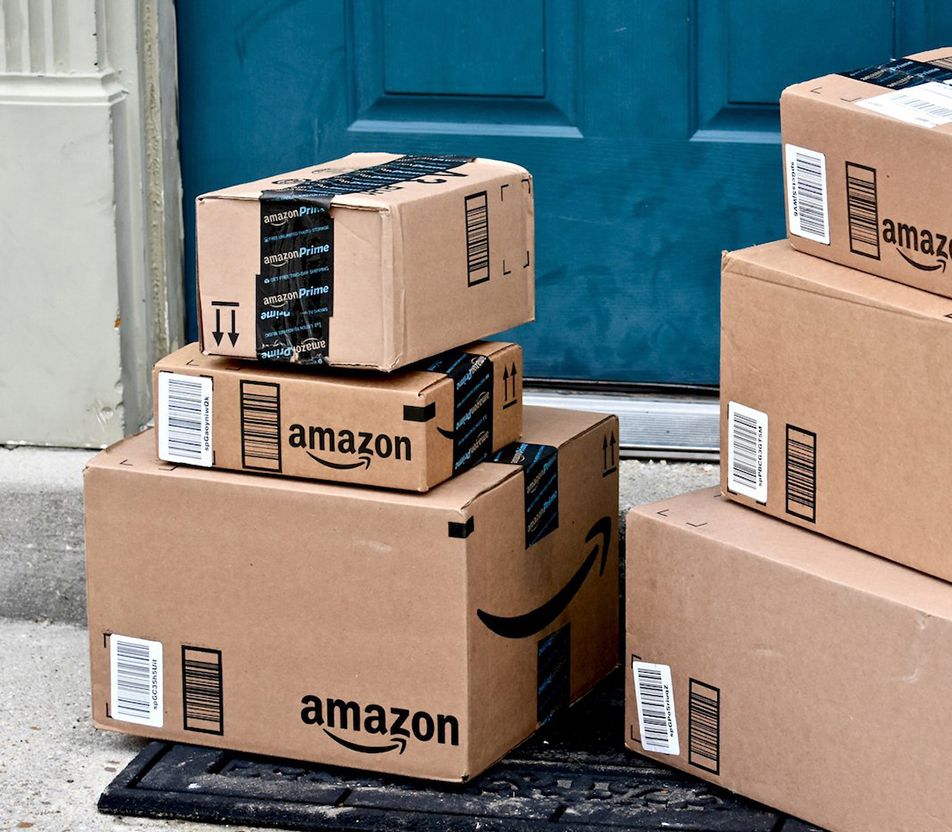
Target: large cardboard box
x=411 y=429
x=867 y=155
x=373 y=261
x=419 y=634
x=788 y=667
x=836 y=400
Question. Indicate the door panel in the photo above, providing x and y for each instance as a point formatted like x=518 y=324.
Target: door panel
x=651 y=129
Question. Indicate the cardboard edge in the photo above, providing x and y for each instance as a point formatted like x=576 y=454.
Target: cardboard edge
x=750 y=551
x=735 y=263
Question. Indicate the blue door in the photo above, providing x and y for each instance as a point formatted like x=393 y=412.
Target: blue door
x=651 y=128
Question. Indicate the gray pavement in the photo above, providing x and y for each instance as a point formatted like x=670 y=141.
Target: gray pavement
x=53 y=765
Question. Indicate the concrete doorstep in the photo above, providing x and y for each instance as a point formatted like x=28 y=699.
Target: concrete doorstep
x=53 y=765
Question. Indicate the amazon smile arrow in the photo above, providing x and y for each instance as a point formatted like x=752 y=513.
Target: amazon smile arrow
x=528 y=623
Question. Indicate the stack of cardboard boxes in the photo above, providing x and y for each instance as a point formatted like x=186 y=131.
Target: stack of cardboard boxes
x=790 y=667
x=345 y=540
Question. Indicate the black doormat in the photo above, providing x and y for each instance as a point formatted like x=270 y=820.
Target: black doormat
x=573 y=774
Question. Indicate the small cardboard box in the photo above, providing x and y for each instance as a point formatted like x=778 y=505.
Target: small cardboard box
x=803 y=673
x=410 y=430
x=836 y=400
x=373 y=261
x=867 y=159
x=419 y=634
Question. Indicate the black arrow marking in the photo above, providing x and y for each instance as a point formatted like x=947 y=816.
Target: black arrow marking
x=218 y=333
x=398 y=742
x=512 y=375
x=505 y=380
x=341 y=466
x=520 y=626
x=608 y=446
x=938 y=265
x=449 y=434
x=233 y=335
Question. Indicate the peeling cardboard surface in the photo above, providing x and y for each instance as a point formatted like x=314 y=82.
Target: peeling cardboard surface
x=392 y=431
x=851 y=374
x=801 y=666
x=885 y=179
x=423 y=266
x=301 y=589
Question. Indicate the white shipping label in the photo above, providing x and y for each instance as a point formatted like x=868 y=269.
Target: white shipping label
x=654 y=695
x=808 y=212
x=928 y=105
x=747 y=451
x=135 y=680
x=184 y=419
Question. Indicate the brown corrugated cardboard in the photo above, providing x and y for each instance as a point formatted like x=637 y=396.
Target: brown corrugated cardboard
x=411 y=429
x=373 y=261
x=867 y=155
x=420 y=634
x=836 y=397
x=805 y=674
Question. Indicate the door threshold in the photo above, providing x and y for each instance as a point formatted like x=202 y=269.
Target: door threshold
x=652 y=424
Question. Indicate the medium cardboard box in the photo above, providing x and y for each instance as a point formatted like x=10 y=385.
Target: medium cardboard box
x=836 y=400
x=411 y=429
x=867 y=155
x=803 y=673
x=372 y=261
x=418 y=634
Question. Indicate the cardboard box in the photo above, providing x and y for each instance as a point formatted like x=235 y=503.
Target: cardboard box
x=867 y=155
x=419 y=634
x=836 y=400
x=411 y=429
x=373 y=261
x=805 y=674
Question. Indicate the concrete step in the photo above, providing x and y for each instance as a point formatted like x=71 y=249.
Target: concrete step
x=42 y=574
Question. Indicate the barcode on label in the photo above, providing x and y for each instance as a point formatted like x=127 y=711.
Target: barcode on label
x=747 y=451
x=926 y=105
x=704 y=726
x=807 y=209
x=135 y=693
x=477 y=238
x=863 y=210
x=260 y=425
x=801 y=473
x=184 y=419
x=654 y=697
x=202 y=695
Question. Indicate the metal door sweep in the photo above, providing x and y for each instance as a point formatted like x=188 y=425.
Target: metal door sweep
x=661 y=421
x=573 y=774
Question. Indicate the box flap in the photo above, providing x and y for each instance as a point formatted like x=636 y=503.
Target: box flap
x=380 y=185
x=707 y=514
x=780 y=263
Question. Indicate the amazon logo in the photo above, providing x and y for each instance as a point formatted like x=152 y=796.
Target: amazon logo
x=910 y=242
x=535 y=620
x=364 y=445
x=385 y=729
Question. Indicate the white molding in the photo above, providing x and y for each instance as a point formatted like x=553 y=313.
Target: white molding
x=88 y=125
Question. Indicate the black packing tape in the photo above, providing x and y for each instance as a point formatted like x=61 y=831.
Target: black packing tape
x=541 y=475
x=553 y=675
x=473 y=386
x=899 y=73
x=295 y=286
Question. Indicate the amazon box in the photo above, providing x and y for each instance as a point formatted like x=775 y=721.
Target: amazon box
x=410 y=430
x=868 y=155
x=373 y=261
x=836 y=400
x=798 y=671
x=417 y=634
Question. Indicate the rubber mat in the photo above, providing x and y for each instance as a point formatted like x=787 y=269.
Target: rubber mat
x=573 y=774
